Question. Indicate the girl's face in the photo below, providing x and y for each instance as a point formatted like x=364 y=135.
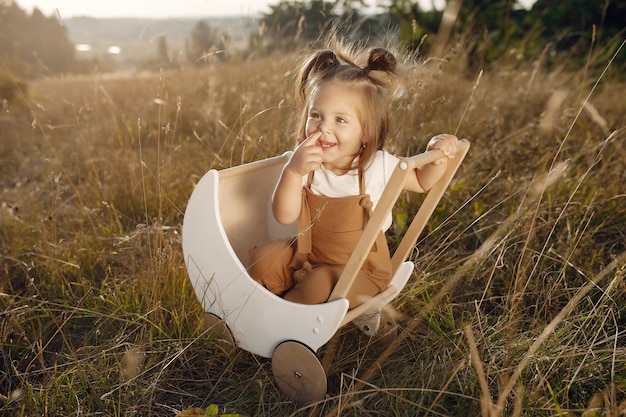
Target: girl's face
x=332 y=112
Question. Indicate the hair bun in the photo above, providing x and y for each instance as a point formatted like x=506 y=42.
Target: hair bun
x=381 y=59
x=320 y=62
x=324 y=60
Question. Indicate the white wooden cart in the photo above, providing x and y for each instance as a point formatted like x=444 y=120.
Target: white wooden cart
x=229 y=212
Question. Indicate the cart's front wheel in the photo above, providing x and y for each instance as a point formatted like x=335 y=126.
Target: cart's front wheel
x=299 y=372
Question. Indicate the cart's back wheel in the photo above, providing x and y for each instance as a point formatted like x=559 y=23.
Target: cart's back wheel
x=218 y=328
x=299 y=373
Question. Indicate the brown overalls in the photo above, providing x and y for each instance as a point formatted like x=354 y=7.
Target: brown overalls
x=328 y=230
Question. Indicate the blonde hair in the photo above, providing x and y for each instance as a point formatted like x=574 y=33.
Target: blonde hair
x=339 y=64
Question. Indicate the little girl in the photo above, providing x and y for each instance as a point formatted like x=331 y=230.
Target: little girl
x=334 y=179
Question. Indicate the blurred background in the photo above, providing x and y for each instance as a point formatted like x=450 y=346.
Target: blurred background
x=43 y=38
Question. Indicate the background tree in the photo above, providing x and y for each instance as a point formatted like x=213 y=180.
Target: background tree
x=204 y=41
x=492 y=27
x=571 y=19
x=33 y=44
x=349 y=7
x=414 y=24
x=356 y=25
x=292 y=22
x=163 y=53
x=492 y=24
x=570 y=24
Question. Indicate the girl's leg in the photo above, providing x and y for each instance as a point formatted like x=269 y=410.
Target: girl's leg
x=270 y=265
x=362 y=289
x=313 y=285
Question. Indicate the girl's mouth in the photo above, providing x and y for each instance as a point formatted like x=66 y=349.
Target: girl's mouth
x=325 y=145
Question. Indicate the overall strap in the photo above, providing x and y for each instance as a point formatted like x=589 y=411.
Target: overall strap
x=367 y=204
x=361 y=181
x=366 y=201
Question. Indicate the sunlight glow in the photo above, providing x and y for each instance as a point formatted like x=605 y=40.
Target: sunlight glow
x=83 y=47
x=114 y=50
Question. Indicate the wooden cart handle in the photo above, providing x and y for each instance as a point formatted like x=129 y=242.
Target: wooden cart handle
x=388 y=199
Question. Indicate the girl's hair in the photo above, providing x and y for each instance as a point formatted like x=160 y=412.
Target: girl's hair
x=369 y=82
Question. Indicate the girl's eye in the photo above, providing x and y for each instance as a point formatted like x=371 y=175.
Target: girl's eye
x=341 y=120
x=314 y=115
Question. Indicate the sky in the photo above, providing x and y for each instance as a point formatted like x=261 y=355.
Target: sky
x=159 y=8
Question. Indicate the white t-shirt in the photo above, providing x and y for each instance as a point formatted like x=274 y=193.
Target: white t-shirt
x=377 y=175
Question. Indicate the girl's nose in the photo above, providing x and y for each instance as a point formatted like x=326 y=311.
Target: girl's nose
x=324 y=126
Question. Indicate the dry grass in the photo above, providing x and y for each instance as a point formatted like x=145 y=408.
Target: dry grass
x=517 y=307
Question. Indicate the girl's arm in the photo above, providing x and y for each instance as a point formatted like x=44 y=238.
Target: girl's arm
x=426 y=176
x=287 y=198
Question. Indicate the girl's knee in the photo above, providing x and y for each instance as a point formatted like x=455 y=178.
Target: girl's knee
x=313 y=285
x=362 y=290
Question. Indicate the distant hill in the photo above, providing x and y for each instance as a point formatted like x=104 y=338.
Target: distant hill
x=136 y=39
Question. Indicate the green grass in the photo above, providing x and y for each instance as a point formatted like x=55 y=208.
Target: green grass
x=521 y=272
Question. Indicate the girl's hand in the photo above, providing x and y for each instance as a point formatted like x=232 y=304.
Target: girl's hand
x=307 y=156
x=287 y=197
x=446 y=143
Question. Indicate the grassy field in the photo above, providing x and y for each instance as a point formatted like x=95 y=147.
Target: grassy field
x=517 y=306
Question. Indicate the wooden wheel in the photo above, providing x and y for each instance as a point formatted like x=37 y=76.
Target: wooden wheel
x=388 y=329
x=218 y=329
x=299 y=373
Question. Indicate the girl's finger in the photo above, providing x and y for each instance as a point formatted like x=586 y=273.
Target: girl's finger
x=311 y=140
